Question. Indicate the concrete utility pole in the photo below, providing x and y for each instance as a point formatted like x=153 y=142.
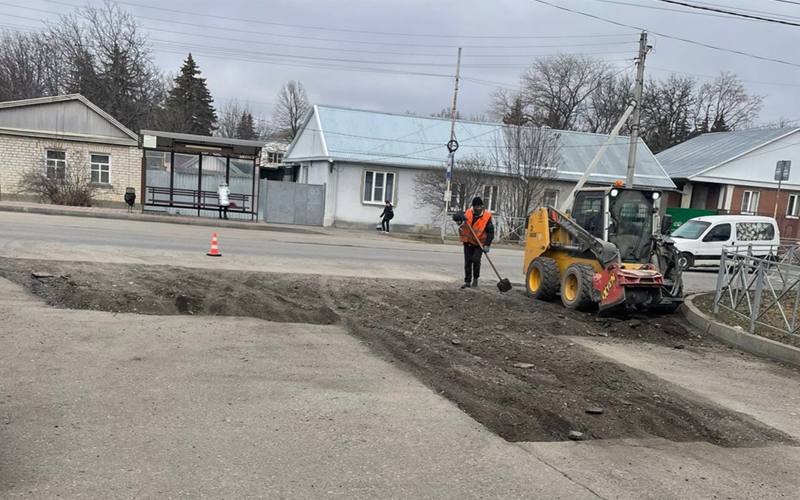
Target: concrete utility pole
x=452 y=146
x=637 y=111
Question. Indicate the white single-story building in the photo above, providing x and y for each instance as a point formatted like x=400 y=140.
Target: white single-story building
x=58 y=133
x=734 y=173
x=365 y=157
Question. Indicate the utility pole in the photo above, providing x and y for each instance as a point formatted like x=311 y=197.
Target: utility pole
x=637 y=111
x=452 y=146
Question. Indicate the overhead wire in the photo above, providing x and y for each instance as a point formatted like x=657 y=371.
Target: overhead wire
x=342 y=30
x=664 y=35
x=729 y=12
x=292 y=36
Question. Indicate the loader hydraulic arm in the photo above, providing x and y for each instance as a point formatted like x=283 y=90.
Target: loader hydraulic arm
x=605 y=252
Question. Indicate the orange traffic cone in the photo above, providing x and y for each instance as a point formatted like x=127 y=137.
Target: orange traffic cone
x=214 y=249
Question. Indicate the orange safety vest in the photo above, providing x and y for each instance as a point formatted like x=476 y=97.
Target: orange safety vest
x=479 y=226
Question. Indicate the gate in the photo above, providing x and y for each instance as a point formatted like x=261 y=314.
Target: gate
x=292 y=203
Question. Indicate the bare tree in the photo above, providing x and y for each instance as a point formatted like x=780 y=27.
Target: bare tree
x=509 y=107
x=724 y=104
x=240 y=121
x=291 y=110
x=557 y=88
x=471 y=175
x=667 y=111
x=28 y=66
x=607 y=104
x=109 y=60
x=528 y=160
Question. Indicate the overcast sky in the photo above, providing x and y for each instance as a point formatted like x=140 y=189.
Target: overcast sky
x=250 y=60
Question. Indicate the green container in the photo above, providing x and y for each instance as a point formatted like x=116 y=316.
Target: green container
x=681 y=215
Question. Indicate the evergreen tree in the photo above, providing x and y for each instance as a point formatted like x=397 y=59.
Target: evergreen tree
x=719 y=124
x=188 y=108
x=246 y=128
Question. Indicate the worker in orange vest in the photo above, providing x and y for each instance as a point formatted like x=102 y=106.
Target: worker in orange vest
x=482 y=225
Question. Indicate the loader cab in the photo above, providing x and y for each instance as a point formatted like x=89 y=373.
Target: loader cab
x=623 y=217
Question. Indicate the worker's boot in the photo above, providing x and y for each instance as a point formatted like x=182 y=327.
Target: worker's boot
x=475 y=283
x=465 y=285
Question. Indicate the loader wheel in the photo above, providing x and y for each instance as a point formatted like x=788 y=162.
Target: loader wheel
x=576 y=287
x=542 y=279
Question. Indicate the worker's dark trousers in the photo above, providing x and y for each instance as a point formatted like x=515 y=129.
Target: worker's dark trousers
x=472 y=262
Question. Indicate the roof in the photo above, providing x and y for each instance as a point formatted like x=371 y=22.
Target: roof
x=733 y=218
x=27 y=125
x=707 y=151
x=166 y=140
x=342 y=134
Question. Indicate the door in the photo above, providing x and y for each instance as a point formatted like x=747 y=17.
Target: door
x=715 y=240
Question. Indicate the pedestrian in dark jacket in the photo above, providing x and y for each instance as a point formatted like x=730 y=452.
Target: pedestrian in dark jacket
x=386 y=216
x=482 y=225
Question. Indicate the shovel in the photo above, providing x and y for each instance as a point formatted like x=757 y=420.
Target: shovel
x=503 y=285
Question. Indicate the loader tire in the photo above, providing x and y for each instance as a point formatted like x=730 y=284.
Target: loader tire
x=541 y=280
x=576 y=287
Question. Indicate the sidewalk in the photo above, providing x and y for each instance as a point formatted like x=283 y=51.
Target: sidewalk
x=138 y=215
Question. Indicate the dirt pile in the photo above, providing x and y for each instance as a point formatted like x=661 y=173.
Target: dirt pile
x=503 y=358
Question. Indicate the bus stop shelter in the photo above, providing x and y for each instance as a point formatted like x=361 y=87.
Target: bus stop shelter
x=181 y=174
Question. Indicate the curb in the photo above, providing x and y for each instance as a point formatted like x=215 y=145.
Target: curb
x=753 y=344
x=252 y=226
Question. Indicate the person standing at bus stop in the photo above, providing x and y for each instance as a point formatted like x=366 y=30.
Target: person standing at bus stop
x=483 y=227
x=223 y=194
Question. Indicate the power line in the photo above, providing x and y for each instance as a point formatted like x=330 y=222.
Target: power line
x=730 y=13
x=300 y=37
x=681 y=11
x=685 y=40
x=415 y=54
x=225 y=51
x=665 y=9
x=786 y=1
x=341 y=30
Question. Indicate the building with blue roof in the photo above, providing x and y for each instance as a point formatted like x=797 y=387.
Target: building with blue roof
x=365 y=157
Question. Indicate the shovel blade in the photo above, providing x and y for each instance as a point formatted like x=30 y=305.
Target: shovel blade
x=504 y=285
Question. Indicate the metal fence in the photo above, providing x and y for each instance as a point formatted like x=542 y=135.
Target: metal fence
x=761 y=290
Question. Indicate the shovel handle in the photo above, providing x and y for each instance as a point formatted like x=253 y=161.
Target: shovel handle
x=481 y=246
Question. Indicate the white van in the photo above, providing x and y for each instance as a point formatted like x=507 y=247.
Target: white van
x=703 y=238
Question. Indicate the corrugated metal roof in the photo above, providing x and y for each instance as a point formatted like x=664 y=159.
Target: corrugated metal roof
x=69 y=97
x=419 y=142
x=710 y=150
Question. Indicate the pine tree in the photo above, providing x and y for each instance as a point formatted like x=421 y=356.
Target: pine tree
x=719 y=124
x=188 y=108
x=246 y=128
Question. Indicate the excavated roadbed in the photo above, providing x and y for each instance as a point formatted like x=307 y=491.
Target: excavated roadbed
x=504 y=359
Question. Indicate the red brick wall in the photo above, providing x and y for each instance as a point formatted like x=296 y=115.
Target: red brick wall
x=789 y=227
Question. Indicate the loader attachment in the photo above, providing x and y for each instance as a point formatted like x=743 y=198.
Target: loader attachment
x=631 y=288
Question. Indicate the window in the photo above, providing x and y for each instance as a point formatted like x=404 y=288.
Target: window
x=691 y=230
x=378 y=187
x=56 y=167
x=551 y=198
x=101 y=172
x=274 y=157
x=750 y=202
x=490 y=198
x=793 y=207
x=721 y=232
x=754 y=231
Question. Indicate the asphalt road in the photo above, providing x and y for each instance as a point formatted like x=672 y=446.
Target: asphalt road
x=336 y=252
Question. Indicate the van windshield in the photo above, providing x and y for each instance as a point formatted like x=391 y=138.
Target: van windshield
x=691 y=230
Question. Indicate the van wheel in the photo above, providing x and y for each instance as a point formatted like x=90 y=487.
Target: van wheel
x=686 y=261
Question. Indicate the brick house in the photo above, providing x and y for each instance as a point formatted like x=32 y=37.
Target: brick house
x=62 y=132
x=734 y=172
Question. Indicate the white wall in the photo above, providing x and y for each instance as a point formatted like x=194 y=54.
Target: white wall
x=346 y=189
x=758 y=167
